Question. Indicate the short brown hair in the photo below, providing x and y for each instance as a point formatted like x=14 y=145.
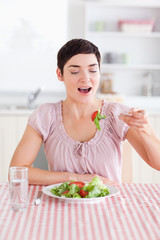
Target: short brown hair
x=74 y=47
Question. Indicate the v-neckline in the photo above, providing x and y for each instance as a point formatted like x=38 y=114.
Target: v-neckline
x=93 y=140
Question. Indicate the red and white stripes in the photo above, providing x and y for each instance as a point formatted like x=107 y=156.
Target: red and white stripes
x=134 y=213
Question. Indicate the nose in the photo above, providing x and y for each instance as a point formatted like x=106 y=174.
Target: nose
x=85 y=77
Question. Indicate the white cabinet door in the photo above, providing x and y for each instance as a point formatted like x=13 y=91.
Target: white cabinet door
x=142 y=172
x=11 y=131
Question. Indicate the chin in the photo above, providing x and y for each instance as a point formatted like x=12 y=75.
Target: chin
x=85 y=99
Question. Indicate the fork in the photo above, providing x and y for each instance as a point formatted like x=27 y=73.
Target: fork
x=128 y=114
x=38 y=199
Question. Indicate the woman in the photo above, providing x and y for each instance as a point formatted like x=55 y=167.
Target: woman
x=74 y=148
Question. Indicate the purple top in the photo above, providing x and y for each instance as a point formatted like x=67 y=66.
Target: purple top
x=100 y=155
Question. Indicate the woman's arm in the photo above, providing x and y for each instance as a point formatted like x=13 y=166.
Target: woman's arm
x=26 y=153
x=143 y=138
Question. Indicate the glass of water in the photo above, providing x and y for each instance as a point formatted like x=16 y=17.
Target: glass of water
x=19 y=188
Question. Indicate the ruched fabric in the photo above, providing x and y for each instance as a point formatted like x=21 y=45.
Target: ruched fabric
x=100 y=155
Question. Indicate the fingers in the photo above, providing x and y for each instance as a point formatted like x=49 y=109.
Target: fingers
x=138 y=119
x=137 y=113
x=106 y=180
x=109 y=182
x=137 y=125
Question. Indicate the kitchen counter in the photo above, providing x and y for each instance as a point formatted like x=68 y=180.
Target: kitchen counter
x=150 y=104
x=15 y=112
x=16 y=103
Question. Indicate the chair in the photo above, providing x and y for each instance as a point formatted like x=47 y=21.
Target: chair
x=126 y=163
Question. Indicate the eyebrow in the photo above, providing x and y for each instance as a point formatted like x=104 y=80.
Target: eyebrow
x=91 y=65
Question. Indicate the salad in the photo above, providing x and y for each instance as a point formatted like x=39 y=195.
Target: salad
x=96 y=117
x=74 y=189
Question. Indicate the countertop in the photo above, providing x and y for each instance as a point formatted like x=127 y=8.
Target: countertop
x=16 y=103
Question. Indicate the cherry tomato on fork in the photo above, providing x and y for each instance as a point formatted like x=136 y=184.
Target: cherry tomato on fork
x=94 y=115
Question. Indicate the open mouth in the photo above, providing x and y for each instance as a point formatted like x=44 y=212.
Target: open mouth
x=84 y=89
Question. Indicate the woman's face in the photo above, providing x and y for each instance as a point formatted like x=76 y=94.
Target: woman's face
x=81 y=77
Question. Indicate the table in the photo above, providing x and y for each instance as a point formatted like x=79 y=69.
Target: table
x=134 y=213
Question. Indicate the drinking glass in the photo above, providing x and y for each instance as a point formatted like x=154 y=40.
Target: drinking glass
x=19 y=188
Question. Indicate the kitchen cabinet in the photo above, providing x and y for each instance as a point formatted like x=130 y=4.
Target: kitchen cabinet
x=12 y=127
x=141 y=172
x=132 y=54
x=11 y=130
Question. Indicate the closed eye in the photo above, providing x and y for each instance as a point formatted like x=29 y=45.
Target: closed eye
x=74 y=72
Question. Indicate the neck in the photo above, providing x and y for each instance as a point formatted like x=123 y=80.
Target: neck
x=80 y=110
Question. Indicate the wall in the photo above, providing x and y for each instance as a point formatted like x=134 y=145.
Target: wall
x=31 y=32
x=76 y=20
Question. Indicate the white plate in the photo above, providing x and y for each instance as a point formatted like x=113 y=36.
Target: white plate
x=112 y=191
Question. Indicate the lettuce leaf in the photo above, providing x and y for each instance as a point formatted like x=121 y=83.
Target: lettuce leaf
x=98 y=118
x=96 y=188
x=59 y=190
x=73 y=189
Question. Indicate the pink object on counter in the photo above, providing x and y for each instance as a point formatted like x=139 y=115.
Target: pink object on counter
x=136 y=25
x=151 y=22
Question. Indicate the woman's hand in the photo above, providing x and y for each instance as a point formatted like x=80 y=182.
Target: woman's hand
x=142 y=137
x=106 y=180
x=89 y=177
x=138 y=120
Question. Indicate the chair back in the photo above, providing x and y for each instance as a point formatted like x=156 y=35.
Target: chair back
x=126 y=163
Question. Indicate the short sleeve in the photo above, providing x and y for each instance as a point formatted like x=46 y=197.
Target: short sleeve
x=119 y=127
x=42 y=119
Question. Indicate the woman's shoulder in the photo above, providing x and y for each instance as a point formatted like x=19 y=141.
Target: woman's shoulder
x=45 y=112
x=45 y=107
x=115 y=108
x=43 y=118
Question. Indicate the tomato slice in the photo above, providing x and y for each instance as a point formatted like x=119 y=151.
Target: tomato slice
x=79 y=184
x=67 y=191
x=83 y=193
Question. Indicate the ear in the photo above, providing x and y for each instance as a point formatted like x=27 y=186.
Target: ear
x=59 y=74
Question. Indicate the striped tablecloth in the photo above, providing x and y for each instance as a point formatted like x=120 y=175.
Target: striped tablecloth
x=132 y=214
